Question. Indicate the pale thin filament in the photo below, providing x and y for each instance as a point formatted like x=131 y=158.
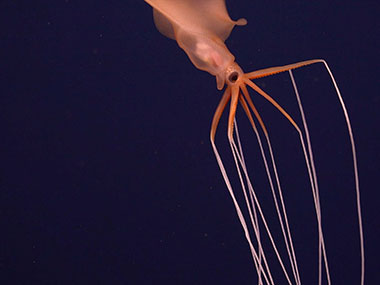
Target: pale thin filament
x=286 y=233
x=356 y=173
x=238 y=211
x=315 y=188
x=310 y=173
x=238 y=159
x=251 y=206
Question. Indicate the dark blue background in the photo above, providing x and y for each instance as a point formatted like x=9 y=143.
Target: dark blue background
x=107 y=173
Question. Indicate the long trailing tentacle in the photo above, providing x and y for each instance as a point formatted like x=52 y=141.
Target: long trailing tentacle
x=286 y=233
x=312 y=177
x=356 y=172
x=222 y=105
x=255 y=199
x=314 y=172
x=354 y=158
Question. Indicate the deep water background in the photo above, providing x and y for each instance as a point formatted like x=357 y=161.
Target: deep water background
x=107 y=175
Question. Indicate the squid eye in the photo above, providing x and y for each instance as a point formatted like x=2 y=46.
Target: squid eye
x=233 y=77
